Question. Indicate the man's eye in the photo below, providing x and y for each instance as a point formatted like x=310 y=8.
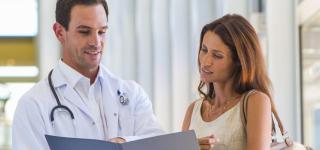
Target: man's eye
x=102 y=32
x=84 y=32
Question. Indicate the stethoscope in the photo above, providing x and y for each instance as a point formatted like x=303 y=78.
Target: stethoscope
x=123 y=99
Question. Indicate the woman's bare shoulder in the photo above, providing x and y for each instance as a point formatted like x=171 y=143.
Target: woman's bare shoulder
x=258 y=101
x=191 y=106
x=188 y=115
x=258 y=96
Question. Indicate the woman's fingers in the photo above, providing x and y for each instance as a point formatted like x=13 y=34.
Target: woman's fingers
x=207 y=143
x=206 y=147
x=208 y=140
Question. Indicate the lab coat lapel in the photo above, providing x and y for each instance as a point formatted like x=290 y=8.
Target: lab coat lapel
x=109 y=90
x=75 y=99
x=69 y=93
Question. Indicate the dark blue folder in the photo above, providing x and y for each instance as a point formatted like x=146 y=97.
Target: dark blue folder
x=174 y=141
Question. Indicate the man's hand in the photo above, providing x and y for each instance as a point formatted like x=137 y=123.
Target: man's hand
x=207 y=143
x=117 y=140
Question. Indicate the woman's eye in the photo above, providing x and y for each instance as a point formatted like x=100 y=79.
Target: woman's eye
x=217 y=56
x=204 y=50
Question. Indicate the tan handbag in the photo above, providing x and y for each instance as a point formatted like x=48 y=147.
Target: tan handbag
x=287 y=143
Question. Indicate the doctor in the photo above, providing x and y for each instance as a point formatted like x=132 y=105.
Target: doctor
x=91 y=102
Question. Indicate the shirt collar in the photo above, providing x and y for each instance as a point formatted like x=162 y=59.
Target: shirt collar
x=100 y=76
x=72 y=76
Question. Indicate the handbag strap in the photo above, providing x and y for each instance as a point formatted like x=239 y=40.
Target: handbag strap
x=244 y=109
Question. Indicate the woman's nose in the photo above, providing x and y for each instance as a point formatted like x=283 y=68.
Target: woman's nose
x=207 y=61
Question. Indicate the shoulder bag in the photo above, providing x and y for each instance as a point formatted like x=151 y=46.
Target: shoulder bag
x=287 y=143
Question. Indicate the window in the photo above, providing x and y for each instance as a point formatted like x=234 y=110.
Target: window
x=18 y=58
x=18 y=18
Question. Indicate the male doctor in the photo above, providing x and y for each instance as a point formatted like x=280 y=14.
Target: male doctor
x=92 y=102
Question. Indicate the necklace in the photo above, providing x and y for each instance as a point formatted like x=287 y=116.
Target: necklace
x=225 y=104
x=228 y=101
x=212 y=111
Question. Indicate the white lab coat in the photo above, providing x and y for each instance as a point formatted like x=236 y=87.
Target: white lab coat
x=32 y=117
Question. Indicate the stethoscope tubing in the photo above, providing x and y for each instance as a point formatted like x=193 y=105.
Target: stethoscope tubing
x=59 y=105
x=124 y=100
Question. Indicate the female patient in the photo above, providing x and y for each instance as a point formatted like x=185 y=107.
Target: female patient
x=231 y=65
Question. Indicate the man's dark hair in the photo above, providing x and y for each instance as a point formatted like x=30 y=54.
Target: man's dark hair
x=63 y=9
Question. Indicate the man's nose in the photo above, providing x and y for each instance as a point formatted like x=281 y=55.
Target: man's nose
x=94 y=40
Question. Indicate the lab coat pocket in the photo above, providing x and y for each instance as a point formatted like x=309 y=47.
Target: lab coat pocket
x=125 y=125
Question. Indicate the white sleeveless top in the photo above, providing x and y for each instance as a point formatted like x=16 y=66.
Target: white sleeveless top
x=227 y=127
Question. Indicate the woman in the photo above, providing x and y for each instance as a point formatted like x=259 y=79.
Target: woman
x=231 y=65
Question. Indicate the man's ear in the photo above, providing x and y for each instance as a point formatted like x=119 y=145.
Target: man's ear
x=59 y=31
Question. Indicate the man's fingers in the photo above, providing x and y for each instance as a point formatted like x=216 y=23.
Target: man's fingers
x=117 y=140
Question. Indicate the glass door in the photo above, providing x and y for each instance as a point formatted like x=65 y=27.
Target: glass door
x=310 y=80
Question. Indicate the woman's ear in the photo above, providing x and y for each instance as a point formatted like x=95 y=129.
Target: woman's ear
x=59 y=31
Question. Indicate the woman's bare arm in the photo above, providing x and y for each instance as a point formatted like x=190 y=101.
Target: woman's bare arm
x=258 y=122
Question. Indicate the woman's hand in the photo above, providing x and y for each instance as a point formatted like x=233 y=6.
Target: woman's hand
x=207 y=143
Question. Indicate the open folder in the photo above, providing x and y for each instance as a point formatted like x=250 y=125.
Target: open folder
x=174 y=141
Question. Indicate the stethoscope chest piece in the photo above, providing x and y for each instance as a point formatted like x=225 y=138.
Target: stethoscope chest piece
x=123 y=98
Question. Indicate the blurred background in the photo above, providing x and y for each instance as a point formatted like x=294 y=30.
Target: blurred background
x=155 y=42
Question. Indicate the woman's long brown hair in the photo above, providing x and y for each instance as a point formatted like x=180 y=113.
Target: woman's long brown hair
x=250 y=70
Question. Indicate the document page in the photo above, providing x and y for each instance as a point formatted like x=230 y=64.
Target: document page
x=66 y=143
x=173 y=141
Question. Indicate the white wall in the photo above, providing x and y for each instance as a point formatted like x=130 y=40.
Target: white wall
x=47 y=43
x=162 y=38
x=283 y=58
